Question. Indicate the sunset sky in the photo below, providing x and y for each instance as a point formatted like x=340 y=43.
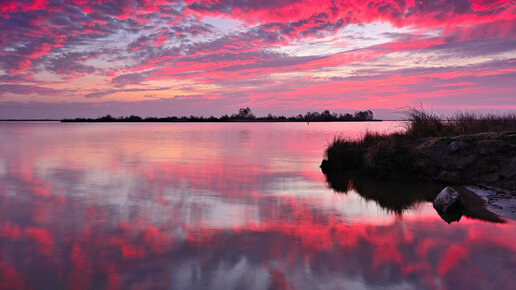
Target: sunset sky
x=210 y=57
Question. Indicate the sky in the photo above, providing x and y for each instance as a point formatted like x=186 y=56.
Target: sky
x=80 y=58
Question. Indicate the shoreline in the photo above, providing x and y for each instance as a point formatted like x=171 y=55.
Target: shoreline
x=496 y=200
x=480 y=166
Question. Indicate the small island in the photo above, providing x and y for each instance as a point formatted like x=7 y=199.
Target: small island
x=467 y=151
x=243 y=115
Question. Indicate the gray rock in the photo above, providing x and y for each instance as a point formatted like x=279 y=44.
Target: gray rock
x=448 y=200
x=455 y=146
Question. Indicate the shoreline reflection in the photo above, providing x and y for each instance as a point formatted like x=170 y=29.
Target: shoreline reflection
x=399 y=196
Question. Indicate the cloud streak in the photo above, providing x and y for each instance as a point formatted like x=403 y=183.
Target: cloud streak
x=99 y=94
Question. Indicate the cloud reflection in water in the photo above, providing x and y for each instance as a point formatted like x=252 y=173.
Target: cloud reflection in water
x=192 y=206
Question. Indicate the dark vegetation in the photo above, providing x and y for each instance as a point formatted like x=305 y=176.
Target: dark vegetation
x=454 y=150
x=422 y=124
x=396 y=197
x=243 y=115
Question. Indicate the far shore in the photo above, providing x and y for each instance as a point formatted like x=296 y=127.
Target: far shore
x=209 y=121
x=243 y=115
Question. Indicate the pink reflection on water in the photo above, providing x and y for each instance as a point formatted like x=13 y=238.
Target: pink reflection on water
x=218 y=206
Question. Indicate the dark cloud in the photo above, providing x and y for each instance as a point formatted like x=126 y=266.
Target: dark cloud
x=440 y=9
x=30 y=89
x=70 y=64
x=17 y=78
x=129 y=79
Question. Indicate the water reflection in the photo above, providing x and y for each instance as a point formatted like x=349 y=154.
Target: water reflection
x=395 y=196
x=202 y=206
x=401 y=195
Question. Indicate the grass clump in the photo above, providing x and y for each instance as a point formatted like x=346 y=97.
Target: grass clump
x=343 y=152
x=421 y=124
x=376 y=154
x=388 y=155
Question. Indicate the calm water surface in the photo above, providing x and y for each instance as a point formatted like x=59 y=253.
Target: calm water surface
x=220 y=206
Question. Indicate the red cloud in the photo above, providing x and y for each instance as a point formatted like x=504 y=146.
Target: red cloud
x=401 y=13
x=24 y=5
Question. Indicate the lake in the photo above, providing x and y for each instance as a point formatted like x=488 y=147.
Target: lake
x=223 y=206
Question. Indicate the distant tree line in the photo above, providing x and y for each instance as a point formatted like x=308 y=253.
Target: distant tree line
x=243 y=115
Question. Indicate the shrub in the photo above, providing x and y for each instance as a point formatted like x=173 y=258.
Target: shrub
x=423 y=124
x=343 y=154
x=390 y=155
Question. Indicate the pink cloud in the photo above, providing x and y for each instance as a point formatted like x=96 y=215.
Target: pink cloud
x=158 y=41
x=10 y=5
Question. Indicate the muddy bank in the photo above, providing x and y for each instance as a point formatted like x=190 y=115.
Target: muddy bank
x=495 y=200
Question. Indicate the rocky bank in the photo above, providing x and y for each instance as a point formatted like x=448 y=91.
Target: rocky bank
x=484 y=158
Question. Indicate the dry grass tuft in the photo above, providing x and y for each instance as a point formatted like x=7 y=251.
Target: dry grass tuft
x=423 y=124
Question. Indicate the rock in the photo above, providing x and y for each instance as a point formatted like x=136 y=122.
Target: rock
x=448 y=200
x=448 y=177
x=450 y=217
x=455 y=146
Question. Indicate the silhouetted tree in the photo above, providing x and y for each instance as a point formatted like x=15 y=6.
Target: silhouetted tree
x=364 y=115
x=245 y=113
x=133 y=118
x=107 y=118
